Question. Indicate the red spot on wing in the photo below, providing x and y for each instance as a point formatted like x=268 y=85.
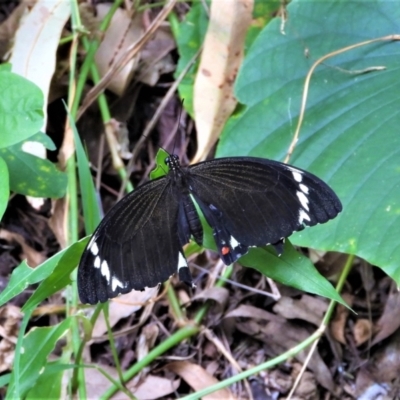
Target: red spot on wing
x=225 y=250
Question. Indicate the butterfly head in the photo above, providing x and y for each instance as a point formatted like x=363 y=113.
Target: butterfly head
x=173 y=162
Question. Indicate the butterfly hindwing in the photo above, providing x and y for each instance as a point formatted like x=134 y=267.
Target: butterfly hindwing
x=135 y=246
x=258 y=201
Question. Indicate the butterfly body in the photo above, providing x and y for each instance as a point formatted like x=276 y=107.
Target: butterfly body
x=247 y=201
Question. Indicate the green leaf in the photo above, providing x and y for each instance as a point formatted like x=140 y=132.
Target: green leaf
x=349 y=137
x=291 y=269
x=4 y=187
x=59 y=277
x=6 y=67
x=36 y=347
x=90 y=198
x=161 y=168
x=31 y=175
x=190 y=37
x=21 y=108
x=50 y=381
x=23 y=276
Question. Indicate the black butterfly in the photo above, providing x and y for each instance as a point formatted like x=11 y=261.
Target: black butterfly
x=247 y=202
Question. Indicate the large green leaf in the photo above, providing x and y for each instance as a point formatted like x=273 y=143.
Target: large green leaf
x=21 y=108
x=350 y=136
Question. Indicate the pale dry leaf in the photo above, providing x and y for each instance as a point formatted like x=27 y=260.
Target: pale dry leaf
x=122 y=32
x=35 y=46
x=198 y=378
x=307 y=308
x=156 y=57
x=154 y=387
x=249 y=311
x=222 y=55
x=146 y=341
x=122 y=307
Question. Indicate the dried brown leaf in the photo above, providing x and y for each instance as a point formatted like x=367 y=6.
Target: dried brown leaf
x=122 y=32
x=154 y=387
x=362 y=331
x=122 y=307
x=389 y=321
x=307 y=308
x=36 y=42
x=222 y=55
x=198 y=378
x=338 y=322
x=280 y=337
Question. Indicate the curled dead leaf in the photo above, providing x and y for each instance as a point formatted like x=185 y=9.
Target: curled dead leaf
x=222 y=55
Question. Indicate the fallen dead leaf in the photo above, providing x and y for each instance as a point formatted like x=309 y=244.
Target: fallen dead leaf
x=389 y=321
x=198 y=378
x=122 y=32
x=122 y=307
x=154 y=387
x=280 y=337
x=222 y=55
x=147 y=338
x=362 y=331
x=338 y=323
x=307 y=308
x=218 y=294
x=35 y=45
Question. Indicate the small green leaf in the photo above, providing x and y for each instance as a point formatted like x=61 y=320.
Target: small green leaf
x=59 y=277
x=4 y=187
x=291 y=269
x=161 y=168
x=21 y=108
x=90 y=197
x=23 y=276
x=31 y=175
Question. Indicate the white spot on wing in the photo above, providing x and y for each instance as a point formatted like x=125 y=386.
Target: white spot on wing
x=303 y=200
x=94 y=248
x=297 y=176
x=181 y=261
x=97 y=262
x=303 y=216
x=234 y=243
x=303 y=188
x=105 y=271
x=116 y=282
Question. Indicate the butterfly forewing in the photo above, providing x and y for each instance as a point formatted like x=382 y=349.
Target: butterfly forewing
x=135 y=246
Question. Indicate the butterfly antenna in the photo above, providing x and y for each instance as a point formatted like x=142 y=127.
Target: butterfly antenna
x=177 y=126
